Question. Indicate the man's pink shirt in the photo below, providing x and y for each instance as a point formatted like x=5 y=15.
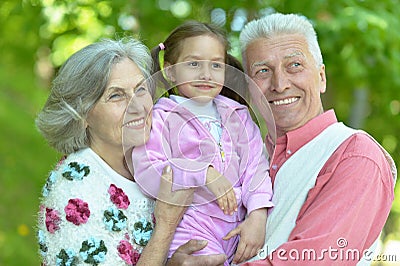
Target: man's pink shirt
x=349 y=204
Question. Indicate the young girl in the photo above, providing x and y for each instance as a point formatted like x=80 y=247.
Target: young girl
x=211 y=143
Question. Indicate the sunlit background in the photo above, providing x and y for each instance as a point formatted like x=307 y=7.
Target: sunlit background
x=360 y=42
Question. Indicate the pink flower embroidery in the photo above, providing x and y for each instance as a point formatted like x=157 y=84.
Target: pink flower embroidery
x=127 y=253
x=52 y=220
x=118 y=197
x=77 y=211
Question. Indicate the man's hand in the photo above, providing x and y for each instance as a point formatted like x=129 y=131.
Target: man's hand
x=183 y=255
x=252 y=235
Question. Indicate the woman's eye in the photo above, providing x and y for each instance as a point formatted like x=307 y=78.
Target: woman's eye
x=115 y=96
x=140 y=90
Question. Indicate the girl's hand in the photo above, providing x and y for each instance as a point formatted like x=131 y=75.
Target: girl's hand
x=220 y=186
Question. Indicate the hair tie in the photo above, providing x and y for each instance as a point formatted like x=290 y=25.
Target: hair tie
x=161 y=59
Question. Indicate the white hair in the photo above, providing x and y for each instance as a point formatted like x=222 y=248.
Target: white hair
x=79 y=84
x=278 y=24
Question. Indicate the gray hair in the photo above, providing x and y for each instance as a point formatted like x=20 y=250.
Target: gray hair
x=80 y=83
x=277 y=24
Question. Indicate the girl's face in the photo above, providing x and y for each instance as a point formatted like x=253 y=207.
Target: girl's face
x=199 y=72
x=105 y=121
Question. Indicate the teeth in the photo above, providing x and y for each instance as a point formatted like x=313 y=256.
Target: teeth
x=135 y=123
x=285 y=101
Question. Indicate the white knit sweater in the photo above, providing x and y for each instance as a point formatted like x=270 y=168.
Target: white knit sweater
x=90 y=215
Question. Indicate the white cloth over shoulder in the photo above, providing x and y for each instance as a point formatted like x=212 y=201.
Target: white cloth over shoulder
x=291 y=186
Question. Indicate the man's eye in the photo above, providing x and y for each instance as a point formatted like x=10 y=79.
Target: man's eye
x=262 y=71
x=295 y=67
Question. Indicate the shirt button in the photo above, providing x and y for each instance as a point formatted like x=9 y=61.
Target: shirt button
x=289 y=152
x=274 y=167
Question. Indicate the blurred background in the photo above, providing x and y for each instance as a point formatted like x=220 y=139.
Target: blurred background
x=360 y=42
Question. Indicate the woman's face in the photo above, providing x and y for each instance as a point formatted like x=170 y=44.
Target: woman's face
x=127 y=93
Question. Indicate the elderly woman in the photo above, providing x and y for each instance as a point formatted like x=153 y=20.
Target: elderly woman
x=92 y=211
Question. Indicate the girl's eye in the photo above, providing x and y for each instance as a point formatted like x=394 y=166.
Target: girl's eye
x=193 y=63
x=217 y=65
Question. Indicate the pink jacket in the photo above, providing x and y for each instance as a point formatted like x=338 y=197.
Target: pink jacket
x=179 y=139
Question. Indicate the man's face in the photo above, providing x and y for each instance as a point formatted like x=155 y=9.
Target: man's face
x=289 y=78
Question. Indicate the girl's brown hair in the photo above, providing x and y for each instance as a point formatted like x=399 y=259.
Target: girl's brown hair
x=173 y=43
x=172 y=47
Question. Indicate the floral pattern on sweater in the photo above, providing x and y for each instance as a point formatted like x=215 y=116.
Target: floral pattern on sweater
x=90 y=215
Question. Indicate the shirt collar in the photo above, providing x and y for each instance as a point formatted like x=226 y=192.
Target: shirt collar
x=297 y=138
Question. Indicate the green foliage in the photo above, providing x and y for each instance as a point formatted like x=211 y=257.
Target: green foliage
x=25 y=160
x=359 y=39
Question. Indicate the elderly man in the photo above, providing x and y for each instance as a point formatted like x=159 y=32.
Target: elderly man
x=333 y=185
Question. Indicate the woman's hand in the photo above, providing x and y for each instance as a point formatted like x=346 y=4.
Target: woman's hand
x=168 y=212
x=170 y=206
x=222 y=189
